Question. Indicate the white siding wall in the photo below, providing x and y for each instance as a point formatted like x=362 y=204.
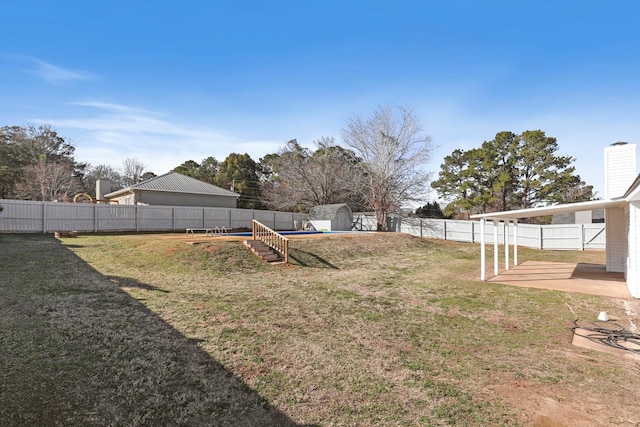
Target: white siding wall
x=616 y=239
x=633 y=264
x=619 y=169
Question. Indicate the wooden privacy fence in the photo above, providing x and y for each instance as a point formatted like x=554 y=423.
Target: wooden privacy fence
x=271 y=238
x=20 y=216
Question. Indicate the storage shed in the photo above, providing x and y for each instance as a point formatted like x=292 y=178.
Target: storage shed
x=336 y=217
x=174 y=189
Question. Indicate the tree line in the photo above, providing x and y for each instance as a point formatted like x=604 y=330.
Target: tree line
x=379 y=166
x=511 y=171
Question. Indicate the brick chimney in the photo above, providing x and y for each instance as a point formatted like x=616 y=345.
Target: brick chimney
x=103 y=186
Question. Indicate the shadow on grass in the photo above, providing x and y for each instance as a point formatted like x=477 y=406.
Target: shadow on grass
x=309 y=259
x=130 y=282
x=77 y=350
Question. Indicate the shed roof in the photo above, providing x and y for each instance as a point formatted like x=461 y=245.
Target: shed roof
x=174 y=182
x=327 y=211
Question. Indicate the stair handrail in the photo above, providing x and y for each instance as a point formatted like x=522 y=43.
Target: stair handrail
x=271 y=238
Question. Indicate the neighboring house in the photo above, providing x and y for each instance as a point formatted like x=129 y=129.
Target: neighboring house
x=336 y=217
x=595 y=216
x=174 y=189
x=622 y=215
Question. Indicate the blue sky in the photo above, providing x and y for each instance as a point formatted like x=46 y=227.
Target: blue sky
x=169 y=81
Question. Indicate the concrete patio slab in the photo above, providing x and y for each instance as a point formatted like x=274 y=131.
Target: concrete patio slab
x=568 y=277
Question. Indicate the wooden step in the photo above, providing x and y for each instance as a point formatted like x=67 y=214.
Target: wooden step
x=263 y=251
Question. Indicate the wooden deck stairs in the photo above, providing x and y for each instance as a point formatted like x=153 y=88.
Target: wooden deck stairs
x=268 y=244
x=264 y=252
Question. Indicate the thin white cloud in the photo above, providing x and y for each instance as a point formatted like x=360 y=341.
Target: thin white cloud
x=53 y=73
x=130 y=120
x=107 y=133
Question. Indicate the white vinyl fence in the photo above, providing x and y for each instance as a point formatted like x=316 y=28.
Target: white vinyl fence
x=20 y=216
x=564 y=236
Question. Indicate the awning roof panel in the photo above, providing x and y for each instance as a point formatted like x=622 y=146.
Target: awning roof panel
x=550 y=210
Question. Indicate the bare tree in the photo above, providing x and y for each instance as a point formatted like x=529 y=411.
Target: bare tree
x=394 y=153
x=300 y=179
x=49 y=181
x=94 y=173
x=333 y=175
x=132 y=171
x=48 y=170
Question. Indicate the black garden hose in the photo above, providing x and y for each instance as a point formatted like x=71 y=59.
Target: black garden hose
x=613 y=335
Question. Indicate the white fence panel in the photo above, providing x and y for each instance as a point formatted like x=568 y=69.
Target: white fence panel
x=154 y=218
x=188 y=217
x=283 y=220
x=22 y=217
x=365 y=221
x=115 y=218
x=529 y=235
x=242 y=219
x=429 y=228
x=460 y=231
x=594 y=236
x=559 y=237
x=265 y=217
x=68 y=217
x=563 y=236
x=217 y=217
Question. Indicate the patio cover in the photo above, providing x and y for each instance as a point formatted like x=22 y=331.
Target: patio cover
x=512 y=216
x=550 y=210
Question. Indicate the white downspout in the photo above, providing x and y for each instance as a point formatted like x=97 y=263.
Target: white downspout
x=482 y=249
x=505 y=236
x=495 y=247
x=515 y=242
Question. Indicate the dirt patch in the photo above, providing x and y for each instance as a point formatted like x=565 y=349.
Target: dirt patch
x=551 y=406
x=211 y=249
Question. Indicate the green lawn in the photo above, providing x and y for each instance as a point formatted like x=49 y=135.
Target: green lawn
x=383 y=329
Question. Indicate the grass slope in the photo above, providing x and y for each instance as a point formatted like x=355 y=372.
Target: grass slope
x=385 y=329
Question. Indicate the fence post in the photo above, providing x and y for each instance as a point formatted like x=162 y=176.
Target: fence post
x=444 y=229
x=472 y=232
x=95 y=217
x=44 y=217
x=541 y=237
x=582 y=239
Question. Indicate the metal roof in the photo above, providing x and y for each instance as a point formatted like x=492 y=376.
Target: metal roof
x=174 y=182
x=632 y=194
x=550 y=210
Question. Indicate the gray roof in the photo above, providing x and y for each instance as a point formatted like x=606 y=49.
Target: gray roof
x=633 y=187
x=174 y=182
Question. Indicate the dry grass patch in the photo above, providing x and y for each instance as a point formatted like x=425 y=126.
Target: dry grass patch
x=384 y=329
